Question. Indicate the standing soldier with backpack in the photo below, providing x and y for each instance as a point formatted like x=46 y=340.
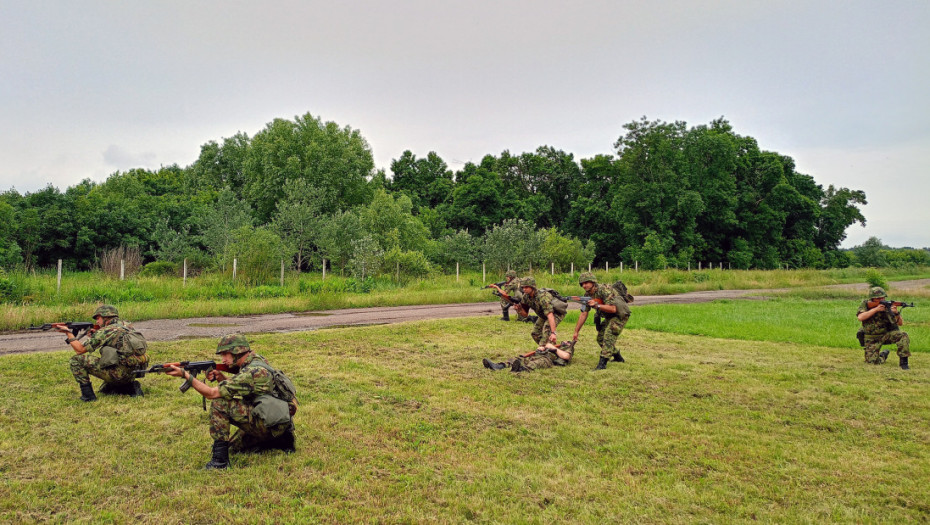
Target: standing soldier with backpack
x=122 y=351
x=258 y=399
x=610 y=317
x=550 y=310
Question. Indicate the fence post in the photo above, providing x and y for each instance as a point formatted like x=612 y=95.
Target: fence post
x=589 y=267
x=398 y=271
x=552 y=268
x=456 y=272
x=573 y=269
x=122 y=269
x=324 y=268
x=59 y=276
x=235 y=261
x=636 y=265
x=606 y=266
x=483 y=274
x=282 y=273
x=689 y=266
x=699 y=265
x=621 y=266
x=185 y=272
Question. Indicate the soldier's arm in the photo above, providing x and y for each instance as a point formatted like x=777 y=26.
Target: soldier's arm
x=867 y=314
x=582 y=318
x=202 y=388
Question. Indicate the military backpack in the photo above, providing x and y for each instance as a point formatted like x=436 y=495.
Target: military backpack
x=620 y=288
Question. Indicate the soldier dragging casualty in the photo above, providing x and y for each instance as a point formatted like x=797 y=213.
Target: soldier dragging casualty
x=611 y=315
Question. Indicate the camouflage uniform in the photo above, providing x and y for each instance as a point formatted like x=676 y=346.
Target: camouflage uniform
x=512 y=289
x=542 y=360
x=608 y=325
x=882 y=329
x=85 y=365
x=542 y=304
x=234 y=407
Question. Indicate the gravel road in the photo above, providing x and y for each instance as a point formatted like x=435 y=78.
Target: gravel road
x=210 y=327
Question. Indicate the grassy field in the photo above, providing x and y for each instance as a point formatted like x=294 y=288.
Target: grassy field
x=402 y=424
x=37 y=300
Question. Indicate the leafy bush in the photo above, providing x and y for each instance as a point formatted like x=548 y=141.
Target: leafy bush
x=159 y=269
x=12 y=290
x=875 y=278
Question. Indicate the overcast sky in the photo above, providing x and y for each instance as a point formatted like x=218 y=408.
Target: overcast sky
x=843 y=87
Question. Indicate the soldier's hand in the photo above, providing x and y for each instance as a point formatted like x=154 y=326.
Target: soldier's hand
x=880 y=308
x=216 y=375
x=552 y=337
x=575 y=338
x=174 y=371
x=61 y=328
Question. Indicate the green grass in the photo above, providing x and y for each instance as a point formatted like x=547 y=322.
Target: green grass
x=401 y=423
x=142 y=298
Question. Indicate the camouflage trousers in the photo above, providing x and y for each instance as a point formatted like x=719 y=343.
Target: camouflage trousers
x=251 y=432
x=541 y=329
x=85 y=365
x=607 y=335
x=533 y=362
x=873 y=345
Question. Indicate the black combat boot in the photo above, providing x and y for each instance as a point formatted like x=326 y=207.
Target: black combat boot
x=517 y=366
x=619 y=358
x=87 y=392
x=492 y=365
x=220 y=459
x=285 y=442
x=506 y=316
x=602 y=364
x=107 y=389
x=903 y=362
x=884 y=355
x=135 y=389
x=531 y=319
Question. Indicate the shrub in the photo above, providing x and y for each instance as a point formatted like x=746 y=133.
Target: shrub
x=159 y=269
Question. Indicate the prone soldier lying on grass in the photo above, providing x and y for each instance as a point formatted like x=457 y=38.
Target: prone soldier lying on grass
x=545 y=356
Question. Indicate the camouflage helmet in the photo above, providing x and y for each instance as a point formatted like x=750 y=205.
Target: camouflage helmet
x=528 y=281
x=587 y=277
x=876 y=292
x=510 y=274
x=105 y=310
x=234 y=344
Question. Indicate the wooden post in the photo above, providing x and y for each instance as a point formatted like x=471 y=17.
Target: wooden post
x=699 y=265
x=552 y=268
x=456 y=272
x=483 y=274
x=573 y=269
x=185 y=272
x=636 y=265
x=689 y=266
x=235 y=262
x=621 y=266
x=589 y=267
x=606 y=266
x=59 y=276
x=122 y=269
x=282 y=273
x=324 y=268
x=398 y=271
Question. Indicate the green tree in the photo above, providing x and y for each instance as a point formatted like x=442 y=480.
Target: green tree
x=336 y=236
x=869 y=253
x=336 y=160
x=258 y=252
x=297 y=219
x=219 y=223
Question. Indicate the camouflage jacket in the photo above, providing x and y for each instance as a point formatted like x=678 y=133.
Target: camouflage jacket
x=541 y=303
x=608 y=295
x=513 y=289
x=252 y=380
x=879 y=324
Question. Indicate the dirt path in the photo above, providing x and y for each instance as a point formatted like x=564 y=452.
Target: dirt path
x=199 y=327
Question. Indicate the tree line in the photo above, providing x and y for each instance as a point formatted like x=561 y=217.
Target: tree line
x=307 y=190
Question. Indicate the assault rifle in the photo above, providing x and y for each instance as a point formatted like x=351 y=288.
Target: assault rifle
x=889 y=304
x=582 y=300
x=194 y=367
x=502 y=283
x=507 y=297
x=75 y=327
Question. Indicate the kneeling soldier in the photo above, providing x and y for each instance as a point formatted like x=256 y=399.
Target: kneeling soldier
x=122 y=351
x=252 y=400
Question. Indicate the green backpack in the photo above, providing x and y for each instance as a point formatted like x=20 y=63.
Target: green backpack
x=620 y=288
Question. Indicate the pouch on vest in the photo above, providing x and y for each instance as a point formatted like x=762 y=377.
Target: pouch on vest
x=860 y=335
x=109 y=356
x=133 y=343
x=271 y=411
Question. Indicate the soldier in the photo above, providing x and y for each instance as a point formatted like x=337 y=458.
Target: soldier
x=122 y=351
x=881 y=328
x=611 y=316
x=549 y=309
x=545 y=356
x=511 y=288
x=247 y=400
